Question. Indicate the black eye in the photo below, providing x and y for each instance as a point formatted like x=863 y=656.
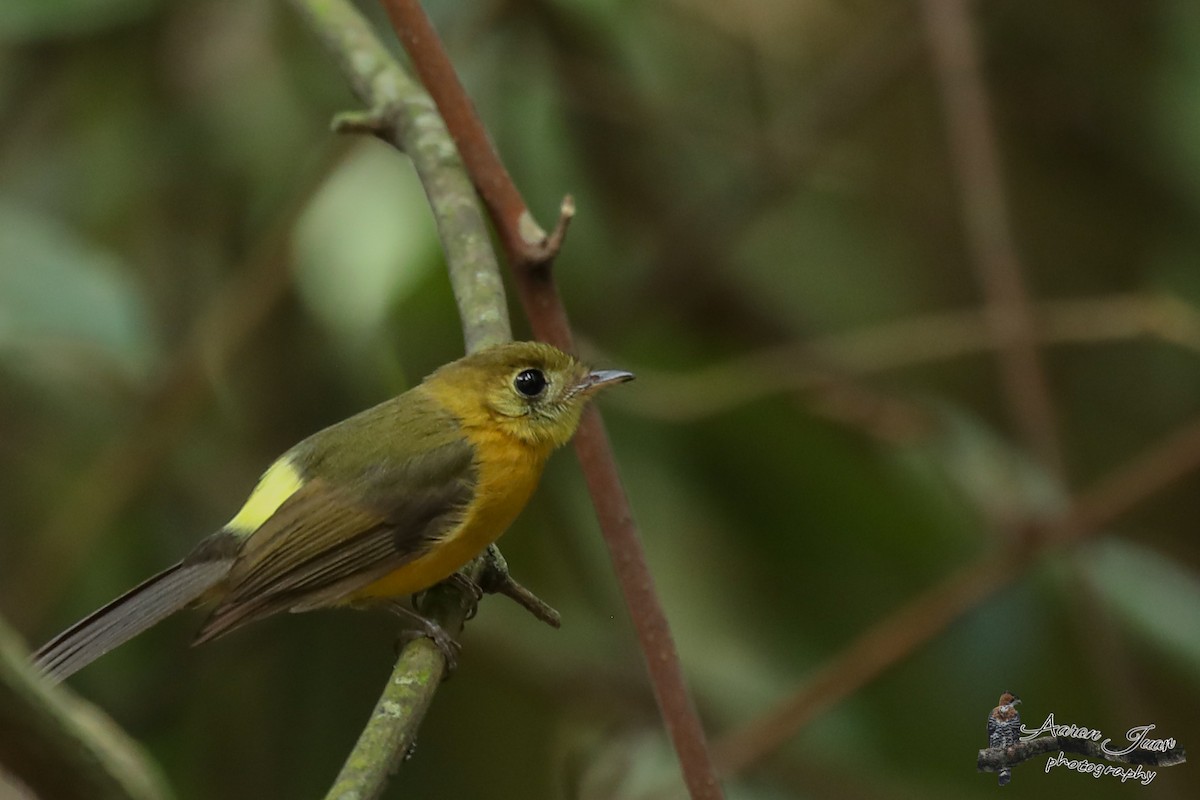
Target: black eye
x=530 y=382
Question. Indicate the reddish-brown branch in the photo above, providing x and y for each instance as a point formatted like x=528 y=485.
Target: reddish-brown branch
x=900 y=633
x=887 y=642
x=1137 y=480
x=530 y=252
x=989 y=236
x=519 y=232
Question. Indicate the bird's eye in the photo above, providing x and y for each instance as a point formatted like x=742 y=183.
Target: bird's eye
x=530 y=382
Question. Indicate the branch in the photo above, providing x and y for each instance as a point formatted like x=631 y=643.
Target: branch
x=391 y=732
x=830 y=360
x=919 y=621
x=519 y=232
x=530 y=254
x=60 y=746
x=1134 y=482
x=392 y=729
x=401 y=113
x=885 y=643
x=993 y=759
x=976 y=160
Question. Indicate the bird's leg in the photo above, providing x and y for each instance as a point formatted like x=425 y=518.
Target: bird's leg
x=495 y=579
x=427 y=628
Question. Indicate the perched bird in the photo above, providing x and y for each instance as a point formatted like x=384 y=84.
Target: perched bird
x=1004 y=729
x=380 y=506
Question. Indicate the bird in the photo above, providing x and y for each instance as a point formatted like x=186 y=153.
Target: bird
x=1004 y=729
x=371 y=510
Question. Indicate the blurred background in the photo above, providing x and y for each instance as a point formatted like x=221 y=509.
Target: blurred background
x=793 y=217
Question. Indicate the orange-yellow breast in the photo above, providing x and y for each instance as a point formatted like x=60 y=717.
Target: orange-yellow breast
x=507 y=473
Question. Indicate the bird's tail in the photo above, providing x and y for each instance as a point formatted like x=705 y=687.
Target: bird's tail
x=149 y=602
x=1004 y=776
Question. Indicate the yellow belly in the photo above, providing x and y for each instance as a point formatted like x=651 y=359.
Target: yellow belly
x=506 y=481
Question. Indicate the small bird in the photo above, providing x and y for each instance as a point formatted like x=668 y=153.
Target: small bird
x=1004 y=729
x=377 y=507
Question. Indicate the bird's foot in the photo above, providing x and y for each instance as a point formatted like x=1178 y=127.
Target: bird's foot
x=428 y=629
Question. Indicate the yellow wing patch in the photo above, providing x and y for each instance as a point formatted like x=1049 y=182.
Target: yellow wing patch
x=278 y=483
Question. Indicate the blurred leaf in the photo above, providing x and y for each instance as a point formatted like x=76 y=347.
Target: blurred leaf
x=996 y=477
x=58 y=290
x=1179 y=109
x=37 y=19
x=1156 y=596
x=364 y=242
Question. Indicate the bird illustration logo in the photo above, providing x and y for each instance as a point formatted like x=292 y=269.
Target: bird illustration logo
x=1004 y=729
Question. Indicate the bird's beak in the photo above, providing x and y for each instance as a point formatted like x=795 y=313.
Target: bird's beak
x=600 y=378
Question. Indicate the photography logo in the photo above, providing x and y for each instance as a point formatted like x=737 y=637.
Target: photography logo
x=1137 y=758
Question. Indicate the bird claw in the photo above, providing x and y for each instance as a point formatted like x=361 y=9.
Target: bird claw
x=428 y=629
x=470 y=588
x=444 y=642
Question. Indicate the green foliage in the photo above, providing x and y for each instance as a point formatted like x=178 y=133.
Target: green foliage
x=1138 y=584
x=364 y=243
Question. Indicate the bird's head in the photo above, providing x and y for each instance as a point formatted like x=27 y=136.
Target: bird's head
x=528 y=391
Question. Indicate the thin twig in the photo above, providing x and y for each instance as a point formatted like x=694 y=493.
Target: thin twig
x=530 y=255
x=885 y=643
x=919 y=621
x=890 y=346
x=1135 y=481
x=976 y=158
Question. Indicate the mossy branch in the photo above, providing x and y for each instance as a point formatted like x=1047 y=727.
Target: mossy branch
x=398 y=111
x=392 y=730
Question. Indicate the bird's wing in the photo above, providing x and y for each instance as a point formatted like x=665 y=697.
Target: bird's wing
x=329 y=538
x=992 y=725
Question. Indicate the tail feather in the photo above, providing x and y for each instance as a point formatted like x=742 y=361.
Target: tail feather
x=1004 y=776
x=148 y=603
